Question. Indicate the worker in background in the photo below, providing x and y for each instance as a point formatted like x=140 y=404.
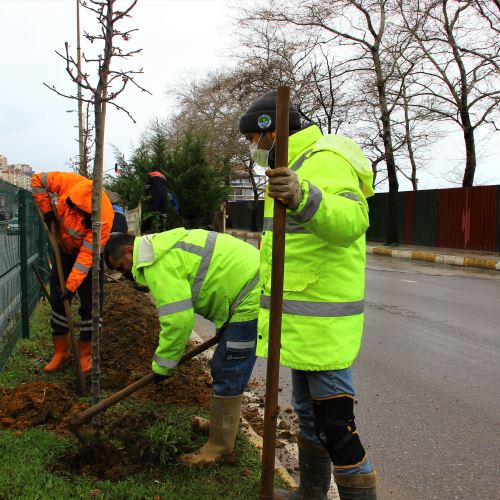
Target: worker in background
x=156 y=190
x=120 y=221
x=216 y=276
x=325 y=190
x=72 y=214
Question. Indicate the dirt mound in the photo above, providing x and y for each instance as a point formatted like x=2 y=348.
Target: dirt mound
x=129 y=340
x=34 y=403
x=129 y=336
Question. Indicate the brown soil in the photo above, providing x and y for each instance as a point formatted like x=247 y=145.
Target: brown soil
x=129 y=339
x=117 y=453
x=35 y=403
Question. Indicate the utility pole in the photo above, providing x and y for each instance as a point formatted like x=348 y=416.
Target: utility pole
x=81 y=143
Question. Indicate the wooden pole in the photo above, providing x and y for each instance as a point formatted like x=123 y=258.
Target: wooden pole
x=52 y=235
x=67 y=311
x=81 y=142
x=275 y=308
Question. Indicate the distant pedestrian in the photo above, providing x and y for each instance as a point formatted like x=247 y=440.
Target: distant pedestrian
x=157 y=192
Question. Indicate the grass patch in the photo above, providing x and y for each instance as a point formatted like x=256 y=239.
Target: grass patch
x=144 y=437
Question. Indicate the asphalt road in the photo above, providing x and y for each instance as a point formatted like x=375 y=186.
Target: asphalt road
x=427 y=380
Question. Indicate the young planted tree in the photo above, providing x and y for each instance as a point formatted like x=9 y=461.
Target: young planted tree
x=459 y=77
x=110 y=84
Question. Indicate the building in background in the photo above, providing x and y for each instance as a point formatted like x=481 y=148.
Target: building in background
x=241 y=185
x=18 y=174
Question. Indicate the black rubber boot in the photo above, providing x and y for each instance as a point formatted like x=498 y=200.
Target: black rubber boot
x=356 y=486
x=315 y=473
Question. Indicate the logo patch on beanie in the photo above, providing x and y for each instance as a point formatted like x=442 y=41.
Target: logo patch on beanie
x=264 y=121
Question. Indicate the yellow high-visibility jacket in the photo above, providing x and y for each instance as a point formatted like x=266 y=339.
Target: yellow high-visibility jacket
x=325 y=253
x=188 y=271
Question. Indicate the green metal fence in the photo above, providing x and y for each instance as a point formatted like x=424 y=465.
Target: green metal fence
x=22 y=245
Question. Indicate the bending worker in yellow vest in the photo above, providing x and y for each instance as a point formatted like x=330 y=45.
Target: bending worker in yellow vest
x=216 y=276
x=325 y=190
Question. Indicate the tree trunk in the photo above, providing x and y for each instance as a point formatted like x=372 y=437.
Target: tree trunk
x=409 y=143
x=97 y=174
x=255 y=203
x=470 y=151
x=392 y=207
x=100 y=118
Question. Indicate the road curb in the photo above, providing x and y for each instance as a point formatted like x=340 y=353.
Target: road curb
x=249 y=432
x=432 y=257
x=453 y=260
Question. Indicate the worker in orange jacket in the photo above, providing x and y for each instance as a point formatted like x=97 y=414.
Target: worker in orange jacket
x=66 y=199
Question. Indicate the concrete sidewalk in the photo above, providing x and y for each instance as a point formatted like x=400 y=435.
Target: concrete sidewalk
x=454 y=257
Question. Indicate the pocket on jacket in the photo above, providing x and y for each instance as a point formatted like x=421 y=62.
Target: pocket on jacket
x=297 y=281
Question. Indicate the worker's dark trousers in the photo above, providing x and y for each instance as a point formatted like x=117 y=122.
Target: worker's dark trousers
x=58 y=321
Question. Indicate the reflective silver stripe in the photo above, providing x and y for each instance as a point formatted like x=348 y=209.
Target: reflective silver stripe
x=54 y=314
x=291 y=226
x=244 y=292
x=324 y=309
x=76 y=234
x=173 y=307
x=88 y=245
x=166 y=363
x=86 y=328
x=145 y=252
x=241 y=344
x=312 y=204
x=60 y=323
x=350 y=195
x=38 y=190
x=206 y=257
x=45 y=179
x=300 y=161
x=190 y=247
x=81 y=267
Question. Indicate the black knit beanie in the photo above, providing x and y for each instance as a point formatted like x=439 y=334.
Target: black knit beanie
x=261 y=115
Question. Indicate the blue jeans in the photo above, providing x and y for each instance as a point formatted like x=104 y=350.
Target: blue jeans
x=234 y=358
x=308 y=385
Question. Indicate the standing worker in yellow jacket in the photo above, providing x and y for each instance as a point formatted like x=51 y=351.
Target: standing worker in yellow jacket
x=216 y=276
x=325 y=190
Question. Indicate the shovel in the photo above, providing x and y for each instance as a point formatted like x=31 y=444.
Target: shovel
x=52 y=235
x=79 y=419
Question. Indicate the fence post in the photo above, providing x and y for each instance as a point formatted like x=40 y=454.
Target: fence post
x=23 y=256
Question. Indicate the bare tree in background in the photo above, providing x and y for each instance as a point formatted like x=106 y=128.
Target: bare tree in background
x=460 y=76
x=83 y=165
x=110 y=84
x=361 y=29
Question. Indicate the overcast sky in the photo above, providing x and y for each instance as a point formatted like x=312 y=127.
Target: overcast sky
x=177 y=37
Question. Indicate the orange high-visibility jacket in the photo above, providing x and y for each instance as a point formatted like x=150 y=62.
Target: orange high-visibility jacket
x=54 y=188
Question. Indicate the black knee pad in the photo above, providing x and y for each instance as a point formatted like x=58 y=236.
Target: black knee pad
x=335 y=428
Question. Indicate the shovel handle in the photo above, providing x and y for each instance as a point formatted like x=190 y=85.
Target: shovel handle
x=103 y=405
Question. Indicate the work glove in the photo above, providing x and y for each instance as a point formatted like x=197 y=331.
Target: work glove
x=284 y=185
x=67 y=295
x=50 y=217
x=159 y=379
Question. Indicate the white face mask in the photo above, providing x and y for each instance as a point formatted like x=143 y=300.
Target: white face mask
x=260 y=156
